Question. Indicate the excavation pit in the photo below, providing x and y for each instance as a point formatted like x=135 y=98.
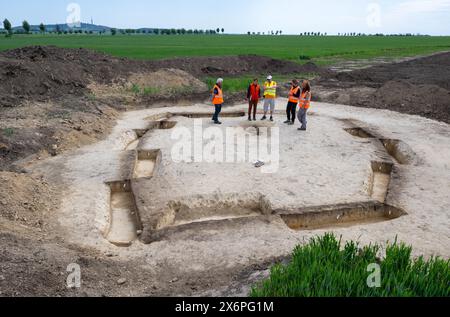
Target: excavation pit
x=360 y=133
x=257 y=128
x=135 y=143
x=199 y=209
x=146 y=163
x=340 y=216
x=400 y=151
x=125 y=224
x=200 y=115
x=162 y=125
x=380 y=181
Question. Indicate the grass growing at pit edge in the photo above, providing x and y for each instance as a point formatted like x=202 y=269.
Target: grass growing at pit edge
x=324 y=269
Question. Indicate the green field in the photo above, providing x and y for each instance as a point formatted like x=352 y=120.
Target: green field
x=321 y=50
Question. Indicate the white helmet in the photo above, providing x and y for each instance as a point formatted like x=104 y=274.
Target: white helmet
x=269 y=77
x=220 y=80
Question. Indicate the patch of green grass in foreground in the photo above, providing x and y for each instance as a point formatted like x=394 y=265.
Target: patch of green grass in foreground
x=324 y=269
x=240 y=84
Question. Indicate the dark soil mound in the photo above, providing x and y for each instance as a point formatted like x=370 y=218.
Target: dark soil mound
x=430 y=101
x=237 y=65
x=45 y=73
x=419 y=87
x=42 y=73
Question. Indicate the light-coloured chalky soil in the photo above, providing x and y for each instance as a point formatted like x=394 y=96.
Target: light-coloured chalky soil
x=368 y=175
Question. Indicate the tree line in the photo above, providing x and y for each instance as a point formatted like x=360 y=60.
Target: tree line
x=59 y=29
x=26 y=29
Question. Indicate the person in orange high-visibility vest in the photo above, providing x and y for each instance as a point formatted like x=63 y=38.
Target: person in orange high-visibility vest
x=294 y=98
x=304 y=104
x=217 y=100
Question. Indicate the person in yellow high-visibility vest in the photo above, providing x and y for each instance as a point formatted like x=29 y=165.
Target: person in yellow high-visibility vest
x=270 y=94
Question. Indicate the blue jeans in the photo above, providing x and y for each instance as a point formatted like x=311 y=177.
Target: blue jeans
x=217 y=113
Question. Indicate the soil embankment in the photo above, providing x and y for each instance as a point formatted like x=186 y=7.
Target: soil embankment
x=418 y=87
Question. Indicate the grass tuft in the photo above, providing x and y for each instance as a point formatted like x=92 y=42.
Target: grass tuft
x=8 y=132
x=323 y=268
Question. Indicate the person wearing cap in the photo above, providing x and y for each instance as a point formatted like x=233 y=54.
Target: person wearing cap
x=270 y=94
x=253 y=96
x=217 y=100
x=294 y=98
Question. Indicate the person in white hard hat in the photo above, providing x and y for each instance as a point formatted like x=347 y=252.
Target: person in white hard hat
x=270 y=94
x=217 y=100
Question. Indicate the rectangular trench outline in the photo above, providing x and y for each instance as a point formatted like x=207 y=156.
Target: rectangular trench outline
x=398 y=150
x=126 y=187
x=339 y=216
x=144 y=155
x=123 y=187
x=380 y=180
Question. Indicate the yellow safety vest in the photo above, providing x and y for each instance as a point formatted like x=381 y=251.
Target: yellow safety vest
x=269 y=89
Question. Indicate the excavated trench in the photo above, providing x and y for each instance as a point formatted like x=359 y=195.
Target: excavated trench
x=201 y=212
x=397 y=149
x=400 y=151
x=125 y=224
x=146 y=163
x=204 y=209
x=360 y=133
x=194 y=115
x=154 y=125
x=380 y=180
x=339 y=216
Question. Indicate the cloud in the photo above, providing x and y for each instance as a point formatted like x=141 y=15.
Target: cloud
x=422 y=6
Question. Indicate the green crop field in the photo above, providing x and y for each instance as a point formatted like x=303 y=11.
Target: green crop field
x=321 y=50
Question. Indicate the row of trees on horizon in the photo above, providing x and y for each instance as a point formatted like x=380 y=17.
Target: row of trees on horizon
x=59 y=29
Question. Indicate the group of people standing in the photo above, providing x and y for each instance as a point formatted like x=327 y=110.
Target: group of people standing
x=299 y=96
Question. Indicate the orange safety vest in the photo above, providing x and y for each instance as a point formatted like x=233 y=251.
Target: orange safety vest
x=305 y=103
x=292 y=93
x=217 y=98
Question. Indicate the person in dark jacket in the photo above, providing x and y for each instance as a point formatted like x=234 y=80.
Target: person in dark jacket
x=253 y=96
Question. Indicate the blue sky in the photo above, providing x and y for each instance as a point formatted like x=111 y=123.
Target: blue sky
x=240 y=16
